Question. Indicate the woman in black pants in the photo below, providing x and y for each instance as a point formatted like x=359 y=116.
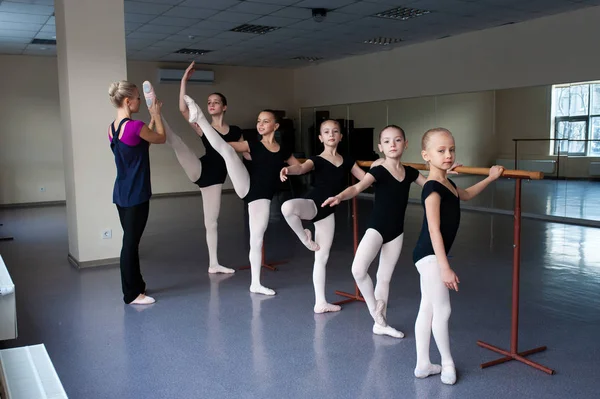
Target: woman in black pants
x=130 y=141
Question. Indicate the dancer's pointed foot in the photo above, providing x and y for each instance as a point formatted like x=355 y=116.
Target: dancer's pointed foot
x=326 y=308
x=143 y=300
x=387 y=330
x=259 y=289
x=194 y=110
x=220 y=269
x=309 y=243
x=149 y=94
x=427 y=370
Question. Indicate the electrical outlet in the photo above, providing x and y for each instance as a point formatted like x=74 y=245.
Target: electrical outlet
x=42 y=189
x=106 y=234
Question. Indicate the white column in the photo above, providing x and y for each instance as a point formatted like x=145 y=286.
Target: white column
x=90 y=36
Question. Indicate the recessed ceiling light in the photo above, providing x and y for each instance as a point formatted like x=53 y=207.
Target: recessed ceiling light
x=309 y=59
x=382 y=41
x=254 y=29
x=192 y=51
x=401 y=13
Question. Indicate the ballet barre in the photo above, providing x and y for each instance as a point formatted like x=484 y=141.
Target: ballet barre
x=513 y=353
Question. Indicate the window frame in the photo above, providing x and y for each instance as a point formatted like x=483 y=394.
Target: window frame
x=587 y=118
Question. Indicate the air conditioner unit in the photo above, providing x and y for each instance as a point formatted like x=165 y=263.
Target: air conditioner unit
x=175 y=75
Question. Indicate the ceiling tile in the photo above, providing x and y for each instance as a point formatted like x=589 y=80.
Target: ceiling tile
x=138 y=18
x=228 y=16
x=154 y=28
x=48 y=28
x=43 y=2
x=308 y=24
x=329 y=4
x=212 y=4
x=191 y=12
x=170 y=2
x=278 y=2
x=145 y=8
x=23 y=8
x=147 y=36
x=250 y=7
x=214 y=25
x=174 y=21
x=363 y=8
x=274 y=21
x=23 y=18
x=45 y=35
x=15 y=33
x=14 y=39
x=20 y=26
x=293 y=12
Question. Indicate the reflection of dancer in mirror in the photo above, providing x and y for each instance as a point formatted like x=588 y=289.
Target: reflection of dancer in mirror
x=130 y=141
x=256 y=187
x=441 y=199
x=208 y=172
x=385 y=231
x=331 y=175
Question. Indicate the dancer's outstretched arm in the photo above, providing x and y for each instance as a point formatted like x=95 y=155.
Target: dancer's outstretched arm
x=474 y=190
x=296 y=168
x=183 y=108
x=351 y=191
x=358 y=172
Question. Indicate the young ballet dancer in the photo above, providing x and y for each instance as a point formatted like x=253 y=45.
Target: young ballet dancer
x=208 y=172
x=129 y=142
x=385 y=230
x=257 y=186
x=331 y=174
x=441 y=201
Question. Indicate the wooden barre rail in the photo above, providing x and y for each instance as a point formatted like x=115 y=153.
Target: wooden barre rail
x=516 y=174
x=522 y=174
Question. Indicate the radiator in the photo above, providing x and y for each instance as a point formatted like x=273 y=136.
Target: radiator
x=547 y=166
x=8 y=309
x=594 y=169
x=28 y=373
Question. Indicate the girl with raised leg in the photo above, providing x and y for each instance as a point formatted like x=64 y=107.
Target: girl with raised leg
x=385 y=231
x=208 y=172
x=441 y=200
x=331 y=174
x=256 y=187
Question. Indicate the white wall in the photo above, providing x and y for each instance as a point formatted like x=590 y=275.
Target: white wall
x=519 y=55
x=30 y=123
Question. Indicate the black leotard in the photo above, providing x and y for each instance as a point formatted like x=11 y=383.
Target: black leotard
x=449 y=219
x=391 y=199
x=329 y=181
x=214 y=170
x=264 y=171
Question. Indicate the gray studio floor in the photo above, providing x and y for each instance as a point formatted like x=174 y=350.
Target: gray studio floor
x=208 y=337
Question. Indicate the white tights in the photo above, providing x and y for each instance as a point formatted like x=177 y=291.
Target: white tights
x=376 y=299
x=211 y=196
x=434 y=313
x=296 y=210
x=258 y=210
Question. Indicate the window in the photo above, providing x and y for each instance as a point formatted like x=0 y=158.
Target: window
x=576 y=118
